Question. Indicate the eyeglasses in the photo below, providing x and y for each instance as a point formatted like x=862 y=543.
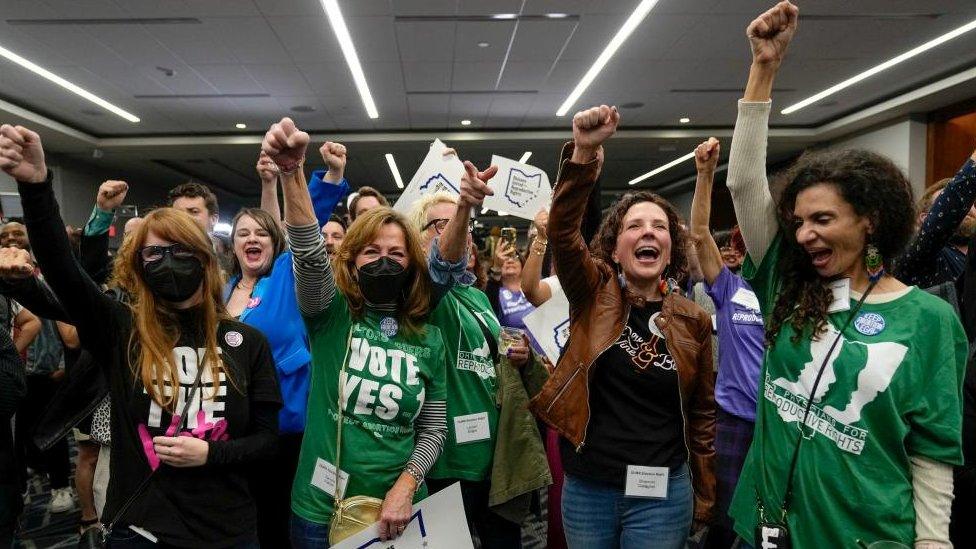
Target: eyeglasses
x=439 y=224
x=152 y=254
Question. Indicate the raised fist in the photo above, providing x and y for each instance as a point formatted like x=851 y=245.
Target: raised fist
x=334 y=155
x=266 y=169
x=111 y=194
x=706 y=155
x=594 y=126
x=21 y=154
x=474 y=185
x=541 y=221
x=285 y=144
x=15 y=263
x=770 y=33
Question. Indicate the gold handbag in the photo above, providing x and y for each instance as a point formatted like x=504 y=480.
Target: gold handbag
x=351 y=515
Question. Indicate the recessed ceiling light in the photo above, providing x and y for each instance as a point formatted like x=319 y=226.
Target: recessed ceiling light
x=483 y=44
x=73 y=88
x=883 y=66
x=393 y=169
x=465 y=122
x=628 y=27
x=525 y=157
x=240 y=125
x=684 y=120
x=504 y=16
x=341 y=32
x=667 y=166
x=557 y=15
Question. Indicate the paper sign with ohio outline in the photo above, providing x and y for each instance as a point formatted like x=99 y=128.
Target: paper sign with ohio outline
x=549 y=324
x=520 y=189
x=437 y=173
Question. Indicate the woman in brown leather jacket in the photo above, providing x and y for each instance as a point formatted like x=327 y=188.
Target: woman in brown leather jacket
x=633 y=394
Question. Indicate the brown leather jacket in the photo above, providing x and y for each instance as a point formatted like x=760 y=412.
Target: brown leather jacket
x=599 y=308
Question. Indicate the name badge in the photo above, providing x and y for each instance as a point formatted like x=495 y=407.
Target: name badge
x=324 y=477
x=841 y=290
x=647 y=482
x=471 y=428
x=747 y=298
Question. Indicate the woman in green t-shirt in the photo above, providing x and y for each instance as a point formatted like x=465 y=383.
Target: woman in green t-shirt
x=375 y=362
x=859 y=416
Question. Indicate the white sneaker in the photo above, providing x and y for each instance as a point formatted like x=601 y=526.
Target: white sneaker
x=61 y=500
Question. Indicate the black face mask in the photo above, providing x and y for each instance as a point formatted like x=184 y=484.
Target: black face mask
x=173 y=278
x=382 y=282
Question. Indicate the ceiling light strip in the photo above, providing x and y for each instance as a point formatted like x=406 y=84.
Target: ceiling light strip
x=525 y=157
x=667 y=166
x=338 y=23
x=883 y=66
x=394 y=170
x=628 y=27
x=74 y=88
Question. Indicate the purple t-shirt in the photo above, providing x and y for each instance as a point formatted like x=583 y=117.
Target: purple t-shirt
x=740 y=342
x=514 y=308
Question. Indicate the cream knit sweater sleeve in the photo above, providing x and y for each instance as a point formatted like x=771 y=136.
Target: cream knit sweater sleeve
x=754 y=207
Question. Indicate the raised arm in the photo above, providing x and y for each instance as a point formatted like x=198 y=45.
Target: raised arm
x=268 y=173
x=22 y=157
x=535 y=291
x=314 y=282
x=328 y=187
x=580 y=275
x=769 y=36
x=93 y=254
x=948 y=210
x=706 y=159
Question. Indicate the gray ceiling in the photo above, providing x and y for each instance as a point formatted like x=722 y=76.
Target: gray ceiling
x=220 y=62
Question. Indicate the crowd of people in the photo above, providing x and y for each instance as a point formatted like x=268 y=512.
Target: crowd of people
x=800 y=380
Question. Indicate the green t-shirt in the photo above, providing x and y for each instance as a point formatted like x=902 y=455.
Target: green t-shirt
x=472 y=384
x=892 y=389
x=386 y=382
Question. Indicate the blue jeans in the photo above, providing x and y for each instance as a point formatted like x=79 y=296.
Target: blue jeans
x=599 y=516
x=306 y=534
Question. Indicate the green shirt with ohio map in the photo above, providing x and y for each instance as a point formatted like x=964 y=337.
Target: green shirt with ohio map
x=472 y=384
x=386 y=382
x=891 y=389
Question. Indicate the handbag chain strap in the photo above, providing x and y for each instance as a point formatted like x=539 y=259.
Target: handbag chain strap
x=337 y=497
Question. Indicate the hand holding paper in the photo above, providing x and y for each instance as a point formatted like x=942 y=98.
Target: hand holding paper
x=520 y=189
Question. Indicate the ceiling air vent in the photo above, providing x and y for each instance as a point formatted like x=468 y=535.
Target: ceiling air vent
x=107 y=21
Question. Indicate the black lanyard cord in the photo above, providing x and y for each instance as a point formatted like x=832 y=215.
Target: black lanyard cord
x=788 y=494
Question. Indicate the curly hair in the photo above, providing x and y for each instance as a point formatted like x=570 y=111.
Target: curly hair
x=875 y=188
x=605 y=240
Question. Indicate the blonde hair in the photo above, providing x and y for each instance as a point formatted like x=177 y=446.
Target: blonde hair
x=418 y=215
x=415 y=304
x=156 y=330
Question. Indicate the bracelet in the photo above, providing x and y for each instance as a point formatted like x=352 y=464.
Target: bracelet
x=414 y=472
x=290 y=170
x=539 y=246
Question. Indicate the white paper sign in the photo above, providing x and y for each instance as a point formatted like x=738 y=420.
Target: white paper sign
x=647 y=482
x=520 y=190
x=436 y=173
x=549 y=324
x=471 y=428
x=841 y=291
x=324 y=477
x=438 y=522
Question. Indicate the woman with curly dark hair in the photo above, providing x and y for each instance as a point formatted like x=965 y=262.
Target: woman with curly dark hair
x=632 y=395
x=859 y=416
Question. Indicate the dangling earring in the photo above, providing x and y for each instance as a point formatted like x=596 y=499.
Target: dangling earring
x=873 y=262
x=621 y=278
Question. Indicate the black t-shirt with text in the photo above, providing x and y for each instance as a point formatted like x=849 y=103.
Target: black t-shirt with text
x=635 y=406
